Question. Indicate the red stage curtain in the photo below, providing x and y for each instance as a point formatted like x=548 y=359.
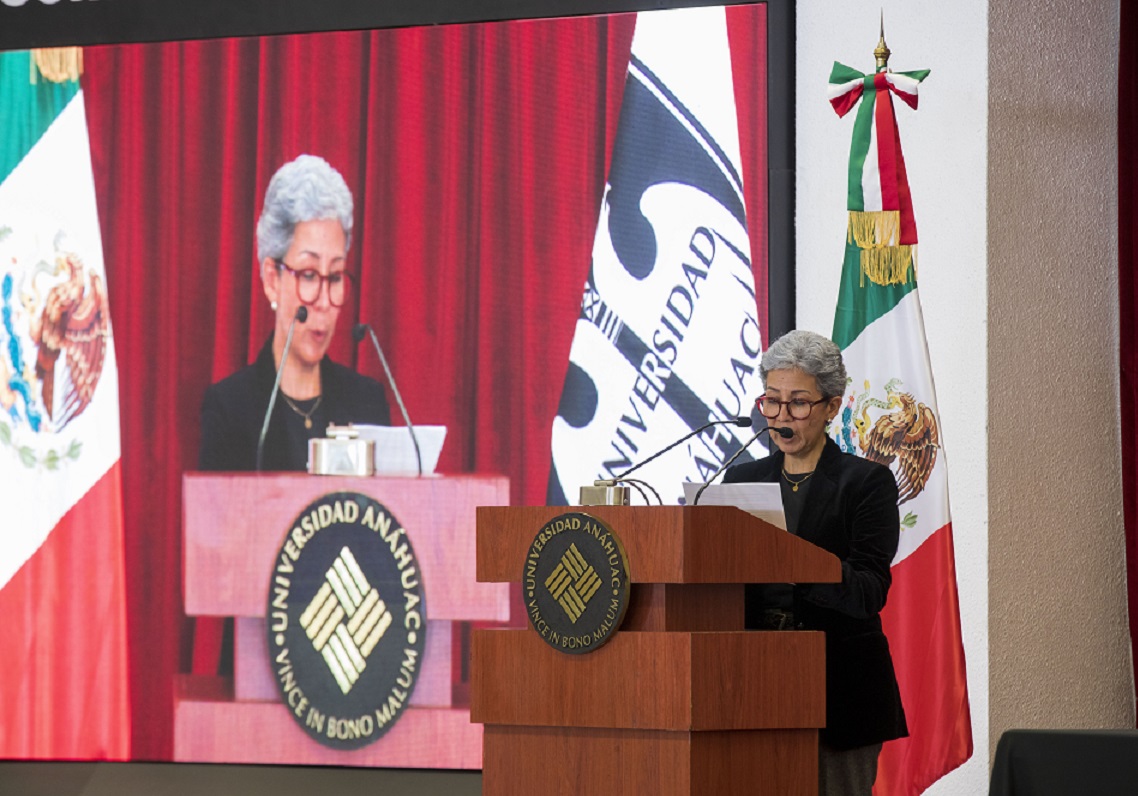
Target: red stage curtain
x=1128 y=296
x=477 y=157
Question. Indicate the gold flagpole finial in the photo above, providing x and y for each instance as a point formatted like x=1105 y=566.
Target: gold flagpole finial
x=881 y=53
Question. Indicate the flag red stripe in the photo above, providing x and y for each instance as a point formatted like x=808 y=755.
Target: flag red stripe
x=63 y=674
x=908 y=231
x=843 y=103
x=922 y=621
x=887 y=146
x=906 y=97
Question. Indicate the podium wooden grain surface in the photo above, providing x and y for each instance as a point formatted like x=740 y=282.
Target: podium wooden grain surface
x=682 y=700
x=665 y=544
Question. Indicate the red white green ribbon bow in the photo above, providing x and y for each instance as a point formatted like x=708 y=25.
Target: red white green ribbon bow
x=880 y=208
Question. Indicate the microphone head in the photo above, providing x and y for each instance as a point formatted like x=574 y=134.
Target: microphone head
x=744 y=422
x=302 y=313
x=785 y=433
x=358 y=332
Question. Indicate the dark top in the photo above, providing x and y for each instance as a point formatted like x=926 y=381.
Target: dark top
x=851 y=511
x=793 y=501
x=779 y=595
x=233 y=411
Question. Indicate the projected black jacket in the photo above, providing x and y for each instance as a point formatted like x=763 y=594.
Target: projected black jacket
x=233 y=411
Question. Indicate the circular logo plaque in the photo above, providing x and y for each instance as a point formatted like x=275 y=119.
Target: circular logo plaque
x=346 y=620
x=575 y=583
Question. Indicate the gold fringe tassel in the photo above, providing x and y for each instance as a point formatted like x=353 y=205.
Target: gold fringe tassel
x=873 y=229
x=57 y=64
x=889 y=266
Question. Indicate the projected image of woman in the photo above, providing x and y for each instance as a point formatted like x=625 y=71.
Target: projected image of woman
x=303 y=236
x=847 y=505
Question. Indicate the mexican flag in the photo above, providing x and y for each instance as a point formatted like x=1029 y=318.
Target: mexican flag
x=63 y=662
x=890 y=416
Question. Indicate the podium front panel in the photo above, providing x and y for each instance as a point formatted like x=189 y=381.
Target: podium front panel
x=745 y=680
x=235 y=524
x=234 y=527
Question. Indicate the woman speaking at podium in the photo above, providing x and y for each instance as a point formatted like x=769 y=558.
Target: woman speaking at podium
x=848 y=506
x=303 y=236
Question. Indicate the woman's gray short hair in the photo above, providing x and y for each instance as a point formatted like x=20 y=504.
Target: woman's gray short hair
x=811 y=353
x=305 y=189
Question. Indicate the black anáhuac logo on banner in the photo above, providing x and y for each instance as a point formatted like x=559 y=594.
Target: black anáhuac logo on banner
x=575 y=583
x=347 y=621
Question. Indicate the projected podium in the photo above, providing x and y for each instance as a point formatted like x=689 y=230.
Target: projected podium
x=682 y=700
x=234 y=525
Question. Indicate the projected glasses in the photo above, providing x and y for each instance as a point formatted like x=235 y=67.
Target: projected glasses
x=309 y=283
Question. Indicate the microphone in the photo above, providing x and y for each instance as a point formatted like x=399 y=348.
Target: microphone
x=785 y=433
x=301 y=316
x=605 y=484
x=741 y=422
x=358 y=332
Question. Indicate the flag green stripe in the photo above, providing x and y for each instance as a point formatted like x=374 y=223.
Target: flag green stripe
x=844 y=74
x=917 y=74
x=26 y=110
x=859 y=148
x=860 y=306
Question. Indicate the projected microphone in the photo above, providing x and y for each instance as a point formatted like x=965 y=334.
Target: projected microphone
x=785 y=433
x=358 y=332
x=301 y=316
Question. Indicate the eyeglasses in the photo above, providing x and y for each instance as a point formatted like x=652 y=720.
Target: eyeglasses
x=309 y=283
x=798 y=408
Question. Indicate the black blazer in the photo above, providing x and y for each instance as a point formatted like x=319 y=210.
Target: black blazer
x=851 y=510
x=234 y=409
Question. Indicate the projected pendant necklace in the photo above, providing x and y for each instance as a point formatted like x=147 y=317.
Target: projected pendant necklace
x=306 y=415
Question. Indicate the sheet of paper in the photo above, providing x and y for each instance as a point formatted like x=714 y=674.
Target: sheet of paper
x=395 y=453
x=762 y=500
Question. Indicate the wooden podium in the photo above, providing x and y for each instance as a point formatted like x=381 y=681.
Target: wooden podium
x=233 y=526
x=682 y=700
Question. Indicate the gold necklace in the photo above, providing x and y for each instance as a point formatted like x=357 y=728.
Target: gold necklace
x=306 y=415
x=794 y=484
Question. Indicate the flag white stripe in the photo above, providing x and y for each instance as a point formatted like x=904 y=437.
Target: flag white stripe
x=894 y=347
x=870 y=173
x=903 y=83
x=838 y=89
x=49 y=199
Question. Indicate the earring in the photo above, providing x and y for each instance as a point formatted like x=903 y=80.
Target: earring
x=273 y=304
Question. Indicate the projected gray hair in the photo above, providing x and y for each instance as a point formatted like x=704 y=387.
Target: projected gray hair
x=306 y=189
x=811 y=353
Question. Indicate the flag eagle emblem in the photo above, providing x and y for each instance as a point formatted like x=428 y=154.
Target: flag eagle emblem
x=907 y=435
x=54 y=331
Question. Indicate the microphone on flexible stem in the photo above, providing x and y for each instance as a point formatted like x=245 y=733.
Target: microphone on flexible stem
x=785 y=433
x=358 y=332
x=300 y=317
x=741 y=422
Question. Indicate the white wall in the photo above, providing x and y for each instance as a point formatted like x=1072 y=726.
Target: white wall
x=944 y=143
